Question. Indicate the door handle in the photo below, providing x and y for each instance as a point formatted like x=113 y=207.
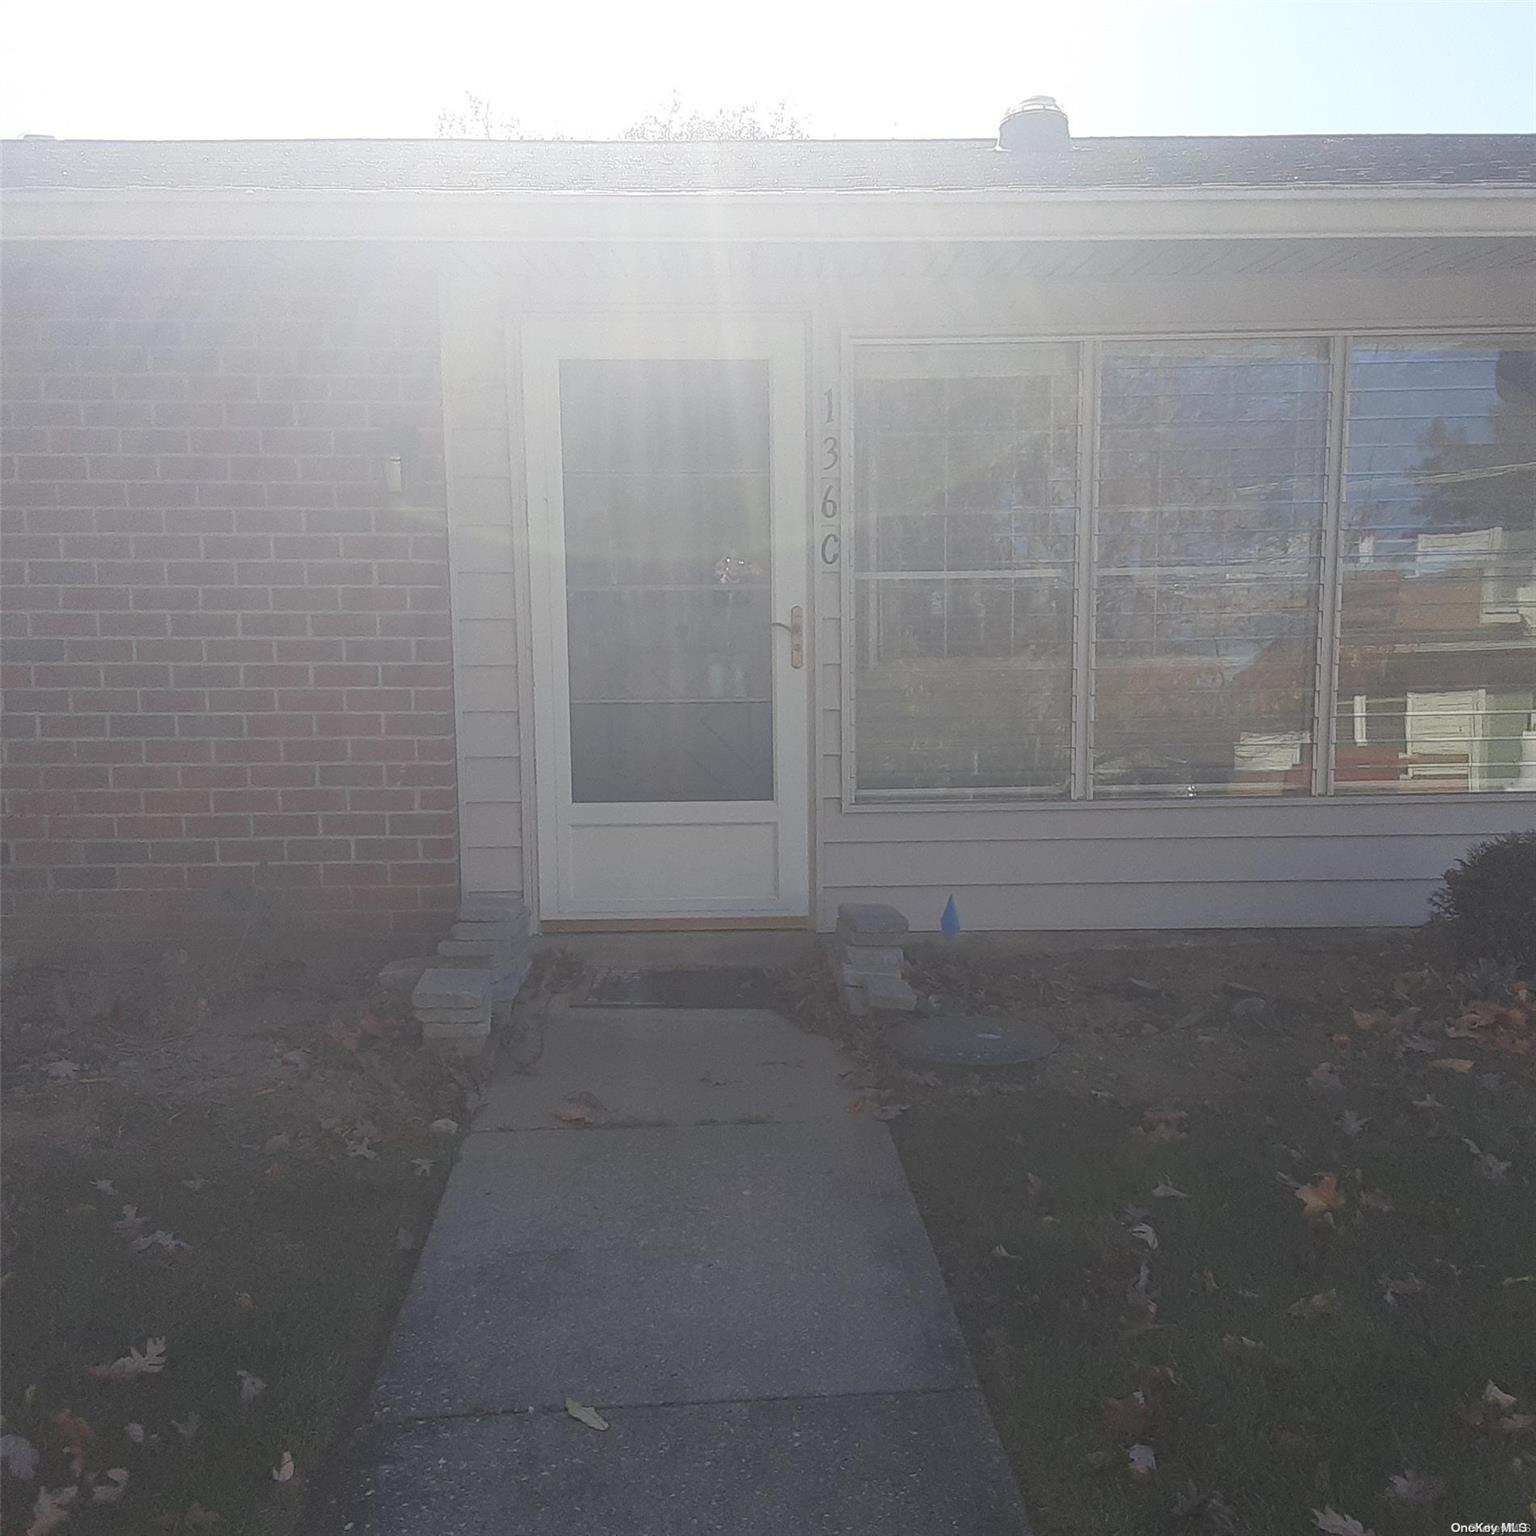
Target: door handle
x=796 y=628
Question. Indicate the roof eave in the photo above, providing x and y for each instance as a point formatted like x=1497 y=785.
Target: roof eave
x=1013 y=214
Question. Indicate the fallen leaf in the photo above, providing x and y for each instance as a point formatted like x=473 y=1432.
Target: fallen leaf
x=194 y=1184
x=104 y=1186
x=579 y=1114
x=283 y=1471
x=62 y=1071
x=1142 y=1460
x=1033 y=1184
x=999 y=1252
x=1393 y=1287
x=159 y=1239
x=1491 y=1167
x=1321 y=1197
x=1517 y=1423
x=1318 y=1305
x=1143 y=1233
x=1159 y=1126
x=134 y=1432
x=1165 y=1191
x=1452 y=1064
x=18 y=1456
x=251 y=1387
x=1333 y=1523
x=1429 y=1101
x=423 y=1166
x=588 y=1416
x=1414 y=1488
x=243 y=1301
x=1323 y=1079
x=1365 y=1021
x=134 y=1364
x=1241 y=1344
x=132 y=1223
x=444 y=1127
x=188 y=1427
x=1496 y=1397
x=78 y=1438
x=110 y=1487
x=1125 y=1414
x=1352 y=1123
x=50 y=1510
x=1518 y=1280
x=1210 y=1511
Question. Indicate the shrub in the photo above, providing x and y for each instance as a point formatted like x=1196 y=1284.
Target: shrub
x=1486 y=910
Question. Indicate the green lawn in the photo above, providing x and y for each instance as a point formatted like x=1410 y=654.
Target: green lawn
x=1286 y=1363
x=277 y=1135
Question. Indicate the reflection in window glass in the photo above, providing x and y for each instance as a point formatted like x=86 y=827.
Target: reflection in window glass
x=1212 y=467
x=966 y=484
x=1437 y=640
x=665 y=488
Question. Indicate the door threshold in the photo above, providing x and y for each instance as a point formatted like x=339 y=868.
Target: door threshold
x=671 y=924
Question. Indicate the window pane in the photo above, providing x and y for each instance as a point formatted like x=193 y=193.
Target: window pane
x=1212 y=469
x=1437 y=645
x=665 y=489
x=965 y=492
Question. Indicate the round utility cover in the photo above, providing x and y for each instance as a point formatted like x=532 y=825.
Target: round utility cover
x=970 y=1040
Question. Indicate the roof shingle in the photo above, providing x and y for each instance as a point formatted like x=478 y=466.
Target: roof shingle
x=765 y=166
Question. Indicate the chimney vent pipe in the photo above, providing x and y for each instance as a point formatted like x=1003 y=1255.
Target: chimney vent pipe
x=1037 y=126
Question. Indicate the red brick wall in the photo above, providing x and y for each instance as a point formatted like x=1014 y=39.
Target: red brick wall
x=226 y=647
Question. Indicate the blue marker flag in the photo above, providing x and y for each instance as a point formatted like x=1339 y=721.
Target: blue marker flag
x=950 y=922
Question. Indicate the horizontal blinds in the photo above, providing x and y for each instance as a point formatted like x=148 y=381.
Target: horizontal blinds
x=1211 y=493
x=1209 y=517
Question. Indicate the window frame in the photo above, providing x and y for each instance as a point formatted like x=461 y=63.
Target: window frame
x=1330 y=586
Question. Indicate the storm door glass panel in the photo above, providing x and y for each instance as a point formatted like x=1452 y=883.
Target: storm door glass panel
x=965 y=494
x=666 y=495
x=1211 y=491
x=1437 y=638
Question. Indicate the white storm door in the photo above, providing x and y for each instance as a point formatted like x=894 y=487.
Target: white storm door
x=667 y=514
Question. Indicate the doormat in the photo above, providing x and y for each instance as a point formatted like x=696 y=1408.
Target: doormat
x=724 y=986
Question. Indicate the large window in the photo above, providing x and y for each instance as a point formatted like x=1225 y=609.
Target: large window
x=1120 y=569
x=1437 y=639
x=1212 y=487
x=963 y=594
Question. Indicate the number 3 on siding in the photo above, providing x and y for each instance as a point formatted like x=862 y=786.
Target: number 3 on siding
x=833 y=456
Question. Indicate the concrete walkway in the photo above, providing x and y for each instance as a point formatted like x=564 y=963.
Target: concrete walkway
x=726 y=1263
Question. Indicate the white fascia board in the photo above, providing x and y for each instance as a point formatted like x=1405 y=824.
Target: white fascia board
x=1216 y=214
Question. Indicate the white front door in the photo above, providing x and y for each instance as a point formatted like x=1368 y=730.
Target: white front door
x=666 y=506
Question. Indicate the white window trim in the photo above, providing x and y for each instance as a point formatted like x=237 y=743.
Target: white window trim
x=877 y=802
